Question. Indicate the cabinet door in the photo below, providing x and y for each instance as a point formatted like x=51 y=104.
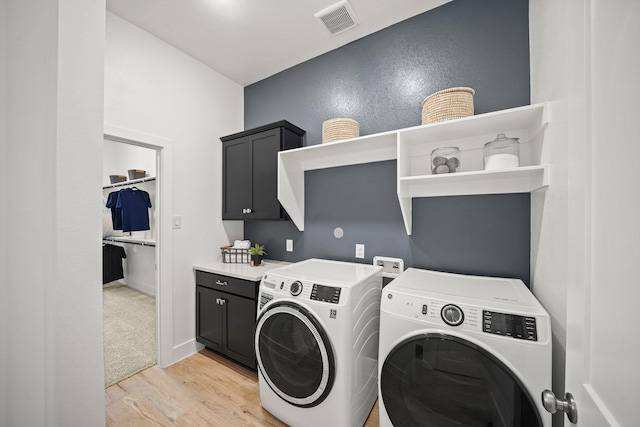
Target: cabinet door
x=209 y=318
x=264 y=155
x=236 y=178
x=241 y=321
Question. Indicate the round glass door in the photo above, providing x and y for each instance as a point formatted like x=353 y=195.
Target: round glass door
x=444 y=381
x=294 y=355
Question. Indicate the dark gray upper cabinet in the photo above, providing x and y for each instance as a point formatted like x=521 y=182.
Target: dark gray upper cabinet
x=250 y=170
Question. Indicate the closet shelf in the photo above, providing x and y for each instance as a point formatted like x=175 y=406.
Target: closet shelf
x=133 y=181
x=130 y=240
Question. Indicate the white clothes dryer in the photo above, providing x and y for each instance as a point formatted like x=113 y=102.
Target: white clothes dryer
x=316 y=342
x=459 y=350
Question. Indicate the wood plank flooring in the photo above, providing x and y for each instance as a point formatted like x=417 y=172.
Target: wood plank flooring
x=202 y=390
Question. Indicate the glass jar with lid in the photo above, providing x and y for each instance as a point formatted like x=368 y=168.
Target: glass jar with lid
x=445 y=160
x=501 y=153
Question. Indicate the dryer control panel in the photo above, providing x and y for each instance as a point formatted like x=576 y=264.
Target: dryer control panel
x=509 y=325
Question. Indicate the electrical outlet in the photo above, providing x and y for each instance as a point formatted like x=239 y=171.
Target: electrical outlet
x=289 y=245
x=359 y=250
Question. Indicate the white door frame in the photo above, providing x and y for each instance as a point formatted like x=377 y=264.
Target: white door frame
x=164 y=237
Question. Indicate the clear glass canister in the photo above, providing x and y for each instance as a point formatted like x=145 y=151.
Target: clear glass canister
x=445 y=160
x=501 y=153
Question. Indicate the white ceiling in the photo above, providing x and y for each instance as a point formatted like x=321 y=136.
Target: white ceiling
x=249 y=40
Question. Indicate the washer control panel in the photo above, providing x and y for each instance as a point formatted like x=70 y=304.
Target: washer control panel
x=452 y=315
x=325 y=293
x=509 y=325
x=296 y=288
x=301 y=289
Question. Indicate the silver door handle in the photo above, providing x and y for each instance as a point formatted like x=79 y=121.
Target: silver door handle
x=218 y=282
x=568 y=405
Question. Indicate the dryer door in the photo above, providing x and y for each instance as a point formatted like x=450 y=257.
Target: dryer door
x=294 y=354
x=445 y=381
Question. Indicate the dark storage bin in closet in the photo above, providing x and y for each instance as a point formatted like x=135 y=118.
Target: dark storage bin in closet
x=250 y=170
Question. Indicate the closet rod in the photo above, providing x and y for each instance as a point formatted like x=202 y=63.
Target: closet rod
x=132 y=242
x=133 y=181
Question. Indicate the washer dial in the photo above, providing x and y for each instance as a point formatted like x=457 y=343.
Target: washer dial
x=296 y=288
x=452 y=315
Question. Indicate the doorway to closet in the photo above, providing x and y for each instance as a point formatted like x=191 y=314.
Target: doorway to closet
x=146 y=272
x=129 y=200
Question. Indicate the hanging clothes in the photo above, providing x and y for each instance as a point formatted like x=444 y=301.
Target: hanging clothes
x=129 y=209
x=135 y=205
x=116 y=213
x=112 y=257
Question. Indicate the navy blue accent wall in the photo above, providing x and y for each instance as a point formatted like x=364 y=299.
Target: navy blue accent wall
x=380 y=81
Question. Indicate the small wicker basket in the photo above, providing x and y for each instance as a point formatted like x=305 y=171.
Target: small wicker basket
x=337 y=129
x=231 y=255
x=448 y=104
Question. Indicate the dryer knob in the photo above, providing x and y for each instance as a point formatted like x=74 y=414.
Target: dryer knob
x=452 y=315
x=296 y=288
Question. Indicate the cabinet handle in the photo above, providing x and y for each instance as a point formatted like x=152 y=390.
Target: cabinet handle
x=246 y=211
x=221 y=301
x=218 y=282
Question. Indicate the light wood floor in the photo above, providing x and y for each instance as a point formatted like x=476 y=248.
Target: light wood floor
x=203 y=390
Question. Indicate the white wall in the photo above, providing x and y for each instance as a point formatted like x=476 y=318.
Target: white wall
x=52 y=354
x=152 y=88
x=551 y=77
x=4 y=297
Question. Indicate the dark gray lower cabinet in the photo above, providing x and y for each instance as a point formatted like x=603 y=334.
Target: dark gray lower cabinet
x=226 y=315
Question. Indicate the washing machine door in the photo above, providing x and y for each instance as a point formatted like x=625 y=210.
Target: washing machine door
x=294 y=354
x=445 y=381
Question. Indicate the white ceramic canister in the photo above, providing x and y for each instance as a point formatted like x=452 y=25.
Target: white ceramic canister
x=501 y=153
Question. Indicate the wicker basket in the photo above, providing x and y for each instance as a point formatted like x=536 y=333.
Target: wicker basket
x=231 y=255
x=448 y=104
x=337 y=129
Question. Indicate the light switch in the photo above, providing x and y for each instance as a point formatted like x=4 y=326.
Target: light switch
x=289 y=245
x=177 y=221
x=359 y=250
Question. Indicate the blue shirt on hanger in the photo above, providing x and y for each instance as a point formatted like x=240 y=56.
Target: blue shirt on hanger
x=135 y=205
x=116 y=214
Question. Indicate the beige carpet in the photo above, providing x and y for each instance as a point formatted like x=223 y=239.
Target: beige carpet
x=129 y=332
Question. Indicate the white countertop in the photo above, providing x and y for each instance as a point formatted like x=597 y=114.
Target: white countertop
x=241 y=271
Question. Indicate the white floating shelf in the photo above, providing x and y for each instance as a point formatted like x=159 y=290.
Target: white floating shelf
x=517 y=180
x=411 y=147
x=365 y=149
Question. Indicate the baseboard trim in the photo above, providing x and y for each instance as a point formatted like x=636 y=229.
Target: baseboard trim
x=186 y=349
x=146 y=288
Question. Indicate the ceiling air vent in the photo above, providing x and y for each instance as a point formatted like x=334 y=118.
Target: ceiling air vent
x=338 y=17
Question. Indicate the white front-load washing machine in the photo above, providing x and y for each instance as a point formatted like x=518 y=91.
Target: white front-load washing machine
x=316 y=342
x=459 y=350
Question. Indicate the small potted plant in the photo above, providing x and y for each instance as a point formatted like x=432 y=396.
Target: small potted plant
x=257 y=253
